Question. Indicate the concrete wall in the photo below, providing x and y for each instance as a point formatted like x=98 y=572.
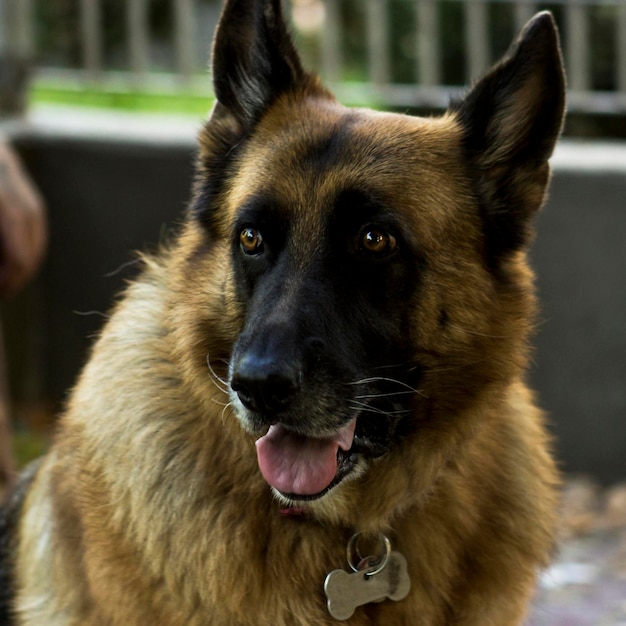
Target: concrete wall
x=580 y=259
x=112 y=189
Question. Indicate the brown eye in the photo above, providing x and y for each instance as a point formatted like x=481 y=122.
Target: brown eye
x=251 y=241
x=377 y=242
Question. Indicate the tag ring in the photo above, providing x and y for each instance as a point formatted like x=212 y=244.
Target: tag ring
x=382 y=559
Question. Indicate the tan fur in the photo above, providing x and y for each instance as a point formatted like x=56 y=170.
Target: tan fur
x=171 y=503
x=150 y=508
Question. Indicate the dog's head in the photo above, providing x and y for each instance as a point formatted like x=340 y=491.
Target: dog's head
x=376 y=282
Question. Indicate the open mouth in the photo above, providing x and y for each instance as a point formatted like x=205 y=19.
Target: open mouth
x=304 y=468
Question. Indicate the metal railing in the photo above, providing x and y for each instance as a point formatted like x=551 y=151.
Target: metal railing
x=429 y=87
x=438 y=36
x=138 y=38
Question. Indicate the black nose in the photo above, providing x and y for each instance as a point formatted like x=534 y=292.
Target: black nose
x=263 y=385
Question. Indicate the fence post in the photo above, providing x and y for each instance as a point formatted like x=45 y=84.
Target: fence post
x=138 y=37
x=523 y=12
x=378 y=42
x=16 y=54
x=476 y=38
x=331 y=48
x=91 y=38
x=577 y=45
x=428 y=56
x=620 y=62
x=183 y=17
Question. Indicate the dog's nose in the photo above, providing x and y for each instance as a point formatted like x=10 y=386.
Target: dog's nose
x=263 y=385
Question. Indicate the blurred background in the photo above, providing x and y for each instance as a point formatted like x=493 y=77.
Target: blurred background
x=102 y=100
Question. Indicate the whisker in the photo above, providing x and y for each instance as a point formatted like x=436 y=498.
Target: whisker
x=384 y=395
x=396 y=366
x=228 y=405
x=216 y=401
x=362 y=406
x=219 y=382
x=122 y=267
x=375 y=379
x=88 y=313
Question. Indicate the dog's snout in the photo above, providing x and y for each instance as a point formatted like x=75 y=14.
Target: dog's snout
x=265 y=386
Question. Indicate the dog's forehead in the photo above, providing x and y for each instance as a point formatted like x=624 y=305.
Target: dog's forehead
x=314 y=151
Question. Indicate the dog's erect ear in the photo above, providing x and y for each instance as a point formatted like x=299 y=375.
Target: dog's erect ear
x=254 y=63
x=254 y=59
x=511 y=120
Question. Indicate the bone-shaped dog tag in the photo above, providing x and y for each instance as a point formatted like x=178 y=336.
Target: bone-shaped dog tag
x=346 y=591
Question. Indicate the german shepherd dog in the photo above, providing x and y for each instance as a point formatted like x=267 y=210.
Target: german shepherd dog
x=311 y=406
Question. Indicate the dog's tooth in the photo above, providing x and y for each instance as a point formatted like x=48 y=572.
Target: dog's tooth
x=345 y=437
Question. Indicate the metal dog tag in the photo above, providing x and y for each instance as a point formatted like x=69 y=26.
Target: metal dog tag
x=346 y=591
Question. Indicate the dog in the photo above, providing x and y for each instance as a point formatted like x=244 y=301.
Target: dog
x=311 y=405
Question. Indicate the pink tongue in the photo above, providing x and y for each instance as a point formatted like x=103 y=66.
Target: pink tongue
x=295 y=464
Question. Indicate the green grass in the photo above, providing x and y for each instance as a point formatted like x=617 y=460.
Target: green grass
x=196 y=104
x=121 y=98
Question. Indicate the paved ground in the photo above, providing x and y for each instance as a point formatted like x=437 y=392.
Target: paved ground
x=586 y=586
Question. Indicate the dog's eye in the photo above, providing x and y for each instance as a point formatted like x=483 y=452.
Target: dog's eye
x=377 y=242
x=251 y=241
